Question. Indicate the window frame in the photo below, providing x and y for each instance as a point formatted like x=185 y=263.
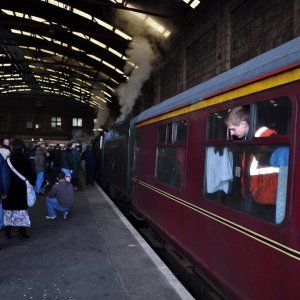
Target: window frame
x=285 y=140
x=171 y=144
x=75 y=121
x=57 y=123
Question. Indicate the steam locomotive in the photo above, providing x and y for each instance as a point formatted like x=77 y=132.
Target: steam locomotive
x=177 y=166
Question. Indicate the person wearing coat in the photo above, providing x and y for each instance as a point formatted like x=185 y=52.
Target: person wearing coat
x=67 y=161
x=40 y=167
x=76 y=165
x=60 y=198
x=4 y=181
x=88 y=156
x=15 y=204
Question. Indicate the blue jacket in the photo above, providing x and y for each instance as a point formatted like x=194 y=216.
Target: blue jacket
x=4 y=176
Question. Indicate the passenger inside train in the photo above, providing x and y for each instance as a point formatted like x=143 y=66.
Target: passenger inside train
x=252 y=166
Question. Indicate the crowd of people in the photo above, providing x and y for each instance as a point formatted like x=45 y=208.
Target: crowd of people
x=53 y=171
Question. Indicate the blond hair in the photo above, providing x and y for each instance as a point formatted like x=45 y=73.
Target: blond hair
x=236 y=115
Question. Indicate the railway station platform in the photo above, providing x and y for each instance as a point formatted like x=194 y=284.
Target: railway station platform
x=94 y=254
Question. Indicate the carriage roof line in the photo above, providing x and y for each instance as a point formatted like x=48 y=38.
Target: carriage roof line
x=287 y=54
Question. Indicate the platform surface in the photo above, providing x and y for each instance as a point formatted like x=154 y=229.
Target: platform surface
x=94 y=254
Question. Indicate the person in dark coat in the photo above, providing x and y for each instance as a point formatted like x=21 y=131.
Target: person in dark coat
x=67 y=160
x=55 y=157
x=76 y=166
x=4 y=181
x=15 y=204
x=40 y=167
x=88 y=156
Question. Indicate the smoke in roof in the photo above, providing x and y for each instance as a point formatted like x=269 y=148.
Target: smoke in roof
x=142 y=55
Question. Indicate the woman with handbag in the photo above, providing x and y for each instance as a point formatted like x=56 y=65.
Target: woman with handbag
x=15 y=204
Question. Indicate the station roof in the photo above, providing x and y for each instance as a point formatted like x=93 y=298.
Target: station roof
x=79 y=48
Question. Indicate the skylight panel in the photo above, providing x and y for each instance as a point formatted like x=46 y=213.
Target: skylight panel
x=21 y=86
x=19 y=15
x=123 y=35
x=76 y=49
x=97 y=43
x=83 y=81
x=192 y=3
x=155 y=25
x=13 y=78
x=58 y=4
x=107 y=94
x=16 y=31
x=8 y=12
x=150 y=22
x=110 y=88
x=86 y=75
x=89 y=17
x=48 y=51
x=195 y=3
x=103 y=24
x=47 y=38
x=25 y=16
x=30 y=48
x=80 y=34
x=108 y=64
x=94 y=57
x=119 y=71
x=115 y=81
x=82 y=14
x=30 y=34
x=115 y=52
x=40 y=20
x=9 y=75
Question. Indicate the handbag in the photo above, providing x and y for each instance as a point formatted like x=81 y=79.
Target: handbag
x=31 y=196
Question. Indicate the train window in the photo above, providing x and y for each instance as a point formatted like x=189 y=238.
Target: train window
x=274 y=114
x=180 y=131
x=171 y=152
x=259 y=191
x=216 y=128
x=170 y=165
x=173 y=132
x=162 y=133
x=169 y=133
x=251 y=174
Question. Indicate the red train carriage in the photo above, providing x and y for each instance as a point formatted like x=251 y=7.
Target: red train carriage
x=195 y=184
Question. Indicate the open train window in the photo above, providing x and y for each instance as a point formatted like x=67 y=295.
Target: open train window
x=171 y=153
x=274 y=113
x=247 y=162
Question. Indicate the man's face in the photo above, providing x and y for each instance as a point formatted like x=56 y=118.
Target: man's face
x=239 y=131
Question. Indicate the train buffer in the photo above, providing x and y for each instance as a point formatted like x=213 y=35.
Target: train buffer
x=94 y=254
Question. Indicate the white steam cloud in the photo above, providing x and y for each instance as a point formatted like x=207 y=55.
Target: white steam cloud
x=141 y=54
x=102 y=116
